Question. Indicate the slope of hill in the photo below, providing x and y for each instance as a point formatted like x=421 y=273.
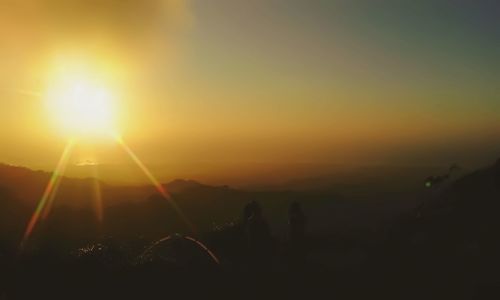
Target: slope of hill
x=454 y=238
x=139 y=210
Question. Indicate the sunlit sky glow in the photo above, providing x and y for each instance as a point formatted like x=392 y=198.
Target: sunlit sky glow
x=81 y=104
x=229 y=82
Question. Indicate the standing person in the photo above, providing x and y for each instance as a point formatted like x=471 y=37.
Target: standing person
x=258 y=235
x=297 y=225
x=242 y=230
x=247 y=214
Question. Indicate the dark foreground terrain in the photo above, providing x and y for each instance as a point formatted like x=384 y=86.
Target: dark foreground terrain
x=446 y=247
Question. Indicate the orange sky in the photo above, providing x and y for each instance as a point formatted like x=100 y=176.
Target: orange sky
x=233 y=83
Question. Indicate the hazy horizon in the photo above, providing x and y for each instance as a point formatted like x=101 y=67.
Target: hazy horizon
x=259 y=175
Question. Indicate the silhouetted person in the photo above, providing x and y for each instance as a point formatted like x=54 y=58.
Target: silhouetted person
x=297 y=222
x=297 y=225
x=247 y=214
x=242 y=226
x=258 y=234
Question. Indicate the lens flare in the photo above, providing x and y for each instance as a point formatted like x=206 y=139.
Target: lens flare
x=160 y=188
x=83 y=105
x=81 y=101
x=44 y=205
x=48 y=191
x=50 y=201
x=98 y=207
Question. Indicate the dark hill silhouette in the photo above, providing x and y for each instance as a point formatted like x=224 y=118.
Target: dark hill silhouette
x=139 y=210
x=449 y=245
x=475 y=193
x=453 y=239
x=479 y=190
x=131 y=211
x=28 y=185
x=362 y=198
x=180 y=185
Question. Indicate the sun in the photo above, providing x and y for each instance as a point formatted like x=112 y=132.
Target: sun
x=82 y=107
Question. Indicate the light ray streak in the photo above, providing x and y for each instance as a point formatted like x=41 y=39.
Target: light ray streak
x=200 y=244
x=48 y=191
x=97 y=195
x=204 y=248
x=50 y=200
x=57 y=183
x=160 y=188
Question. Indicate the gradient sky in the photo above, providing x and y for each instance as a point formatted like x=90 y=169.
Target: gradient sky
x=227 y=82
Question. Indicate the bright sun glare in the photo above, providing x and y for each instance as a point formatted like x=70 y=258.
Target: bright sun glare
x=82 y=107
